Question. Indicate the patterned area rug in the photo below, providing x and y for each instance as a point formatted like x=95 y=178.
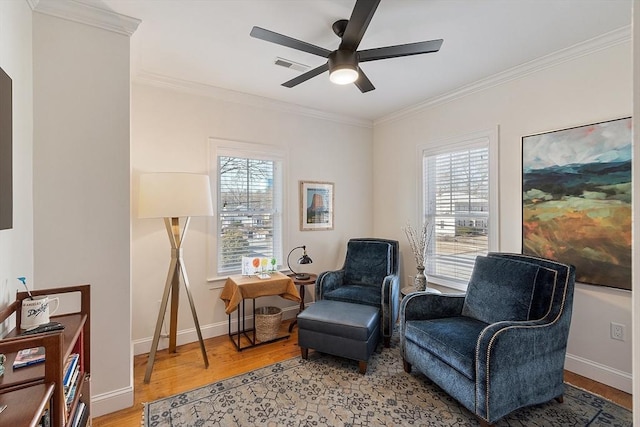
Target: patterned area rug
x=328 y=391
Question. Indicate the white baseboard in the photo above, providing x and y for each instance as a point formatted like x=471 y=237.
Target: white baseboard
x=112 y=401
x=187 y=336
x=598 y=372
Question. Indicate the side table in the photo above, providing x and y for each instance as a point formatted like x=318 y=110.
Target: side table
x=237 y=289
x=301 y=283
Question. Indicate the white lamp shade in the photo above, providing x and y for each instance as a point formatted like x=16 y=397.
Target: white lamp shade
x=174 y=195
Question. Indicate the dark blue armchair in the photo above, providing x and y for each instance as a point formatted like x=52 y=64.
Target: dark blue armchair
x=369 y=276
x=502 y=345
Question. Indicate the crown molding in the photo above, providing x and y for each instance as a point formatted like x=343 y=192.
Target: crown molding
x=87 y=13
x=607 y=40
x=227 y=95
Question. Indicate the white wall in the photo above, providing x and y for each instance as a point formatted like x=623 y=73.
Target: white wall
x=170 y=132
x=81 y=181
x=576 y=91
x=16 y=244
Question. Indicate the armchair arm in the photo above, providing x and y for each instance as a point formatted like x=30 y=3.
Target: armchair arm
x=328 y=281
x=390 y=303
x=425 y=305
x=520 y=363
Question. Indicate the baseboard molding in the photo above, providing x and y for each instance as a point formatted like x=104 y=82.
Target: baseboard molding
x=112 y=401
x=598 y=372
x=211 y=330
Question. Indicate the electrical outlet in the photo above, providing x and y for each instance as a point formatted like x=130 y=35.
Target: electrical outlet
x=617 y=331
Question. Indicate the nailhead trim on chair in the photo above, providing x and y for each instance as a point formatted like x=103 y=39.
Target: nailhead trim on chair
x=564 y=297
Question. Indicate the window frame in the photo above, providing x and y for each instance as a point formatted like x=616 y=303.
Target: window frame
x=453 y=144
x=229 y=148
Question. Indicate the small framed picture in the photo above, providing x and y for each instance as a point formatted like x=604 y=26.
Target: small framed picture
x=316 y=205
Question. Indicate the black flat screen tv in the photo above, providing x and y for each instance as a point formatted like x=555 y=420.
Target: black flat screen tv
x=6 y=156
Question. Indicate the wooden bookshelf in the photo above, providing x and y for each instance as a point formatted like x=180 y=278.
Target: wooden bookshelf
x=40 y=386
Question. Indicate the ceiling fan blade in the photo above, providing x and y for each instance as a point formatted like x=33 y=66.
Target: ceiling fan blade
x=399 y=50
x=306 y=76
x=363 y=82
x=360 y=17
x=270 y=36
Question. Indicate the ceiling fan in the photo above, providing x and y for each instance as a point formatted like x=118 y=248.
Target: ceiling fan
x=343 y=63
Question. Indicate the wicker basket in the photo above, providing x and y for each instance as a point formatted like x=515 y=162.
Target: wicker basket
x=268 y=321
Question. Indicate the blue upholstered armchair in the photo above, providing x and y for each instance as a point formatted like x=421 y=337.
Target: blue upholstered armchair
x=369 y=276
x=501 y=346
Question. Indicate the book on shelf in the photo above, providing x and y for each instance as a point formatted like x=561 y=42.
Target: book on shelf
x=29 y=356
x=71 y=392
x=70 y=368
x=80 y=417
x=45 y=420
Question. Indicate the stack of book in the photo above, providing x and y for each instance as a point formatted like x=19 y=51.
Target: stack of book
x=81 y=415
x=71 y=378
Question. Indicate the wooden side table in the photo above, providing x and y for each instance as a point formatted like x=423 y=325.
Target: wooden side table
x=301 y=283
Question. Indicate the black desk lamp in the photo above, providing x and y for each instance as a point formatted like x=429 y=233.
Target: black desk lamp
x=304 y=259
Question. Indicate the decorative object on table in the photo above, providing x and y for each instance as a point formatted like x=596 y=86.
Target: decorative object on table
x=254 y=265
x=36 y=312
x=419 y=242
x=304 y=259
x=300 y=392
x=29 y=356
x=268 y=320
x=316 y=205
x=171 y=196
x=576 y=200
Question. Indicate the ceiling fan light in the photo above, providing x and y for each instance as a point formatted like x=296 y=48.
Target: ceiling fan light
x=343 y=67
x=343 y=76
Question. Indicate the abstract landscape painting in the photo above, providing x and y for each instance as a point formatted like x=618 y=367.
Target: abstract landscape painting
x=576 y=200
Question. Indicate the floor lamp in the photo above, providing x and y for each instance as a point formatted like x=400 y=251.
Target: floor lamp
x=172 y=196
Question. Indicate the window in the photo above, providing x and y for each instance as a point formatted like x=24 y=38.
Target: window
x=249 y=207
x=457 y=184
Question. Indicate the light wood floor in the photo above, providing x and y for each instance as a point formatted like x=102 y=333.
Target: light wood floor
x=184 y=370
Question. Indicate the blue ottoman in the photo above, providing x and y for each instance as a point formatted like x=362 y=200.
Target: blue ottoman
x=341 y=329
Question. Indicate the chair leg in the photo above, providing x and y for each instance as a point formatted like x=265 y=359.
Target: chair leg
x=304 y=352
x=362 y=366
x=407 y=366
x=484 y=423
x=559 y=399
x=387 y=342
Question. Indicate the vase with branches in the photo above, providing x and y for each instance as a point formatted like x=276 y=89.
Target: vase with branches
x=419 y=241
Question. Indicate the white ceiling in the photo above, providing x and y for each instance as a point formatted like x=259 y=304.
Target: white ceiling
x=207 y=42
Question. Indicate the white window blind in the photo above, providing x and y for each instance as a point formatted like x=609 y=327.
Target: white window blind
x=249 y=209
x=456 y=198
